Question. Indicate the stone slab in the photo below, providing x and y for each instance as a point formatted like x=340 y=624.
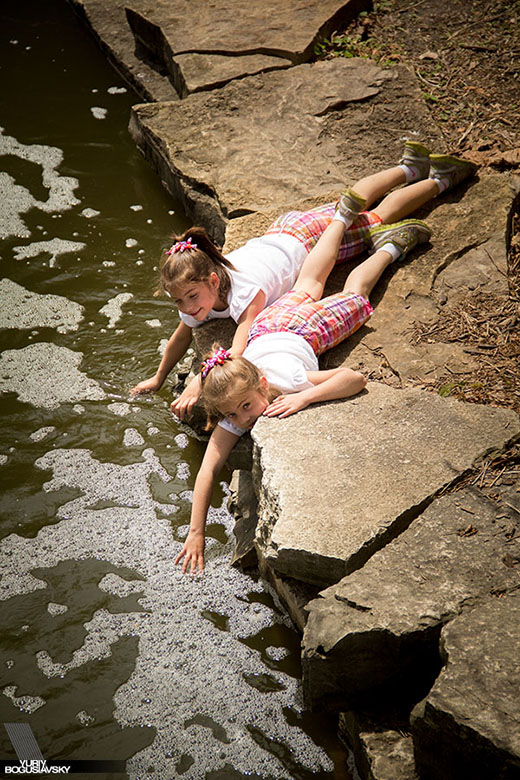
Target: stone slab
x=469 y=724
x=107 y=21
x=289 y=29
x=338 y=481
x=197 y=72
x=364 y=636
x=272 y=140
x=380 y=753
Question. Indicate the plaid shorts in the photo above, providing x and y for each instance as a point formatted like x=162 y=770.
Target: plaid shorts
x=322 y=324
x=308 y=226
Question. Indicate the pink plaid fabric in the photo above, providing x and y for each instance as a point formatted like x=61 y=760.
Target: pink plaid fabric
x=323 y=324
x=307 y=227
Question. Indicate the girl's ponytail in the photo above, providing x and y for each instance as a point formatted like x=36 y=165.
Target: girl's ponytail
x=193 y=257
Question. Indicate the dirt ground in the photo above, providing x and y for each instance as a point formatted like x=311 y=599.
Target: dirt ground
x=466 y=56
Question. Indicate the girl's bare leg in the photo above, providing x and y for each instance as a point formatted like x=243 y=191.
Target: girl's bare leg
x=321 y=260
x=378 y=184
x=362 y=279
x=397 y=205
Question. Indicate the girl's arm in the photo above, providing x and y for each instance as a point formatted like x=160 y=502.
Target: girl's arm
x=328 y=385
x=245 y=321
x=175 y=350
x=219 y=446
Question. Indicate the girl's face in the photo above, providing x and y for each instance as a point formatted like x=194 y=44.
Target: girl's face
x=196 y=299
x=245 y=409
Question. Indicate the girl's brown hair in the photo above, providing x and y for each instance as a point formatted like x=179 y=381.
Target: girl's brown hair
x=234 y=377
x=195 y=263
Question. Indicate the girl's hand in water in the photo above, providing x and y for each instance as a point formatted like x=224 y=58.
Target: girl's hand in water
x=183 y=405
x=148 y=386
x=284 y=405
x=193 y=553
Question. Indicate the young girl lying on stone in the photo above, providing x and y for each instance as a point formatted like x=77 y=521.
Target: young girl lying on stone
x=205 y=284
x=278 y=373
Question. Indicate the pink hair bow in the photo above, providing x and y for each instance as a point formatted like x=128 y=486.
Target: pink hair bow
x=181 y=246
x=216 y=359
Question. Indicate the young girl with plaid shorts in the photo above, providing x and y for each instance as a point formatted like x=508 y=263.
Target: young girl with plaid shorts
x=204 y=284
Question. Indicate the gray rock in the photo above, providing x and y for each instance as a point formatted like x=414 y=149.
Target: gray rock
x=380 y=754
x=469 y=724
x=375 y=634
x=242 y=505
x=369 y=454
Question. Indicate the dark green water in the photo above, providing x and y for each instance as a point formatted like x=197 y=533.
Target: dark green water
x=107 y=651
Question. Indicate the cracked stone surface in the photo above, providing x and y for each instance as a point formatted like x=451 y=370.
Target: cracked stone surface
x=468 y=725
x=369 y=453
x=287 y=30
x=364 y=634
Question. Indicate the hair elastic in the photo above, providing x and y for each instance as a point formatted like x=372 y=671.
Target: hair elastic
x=181 y=246
x=216 y=359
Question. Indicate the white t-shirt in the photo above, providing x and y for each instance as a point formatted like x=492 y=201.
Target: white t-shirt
x=268 y=263
x=283 y=358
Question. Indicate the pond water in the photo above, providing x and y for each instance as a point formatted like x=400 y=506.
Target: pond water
x=107 y=651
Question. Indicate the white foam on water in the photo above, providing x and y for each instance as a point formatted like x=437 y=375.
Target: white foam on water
x=183 y=471
x=130 y=242
x=28 y=704
x=55 y=247
x=42 y=433
x=46 y=376
x=98 y=112
x=89 y=213
x=153 y=323
x=190 y=677
x=119 y=408
x=132 y=438
x=16 y=199
x=181 y=440
x=116 y=90
x=113 y=308
x=23 y=309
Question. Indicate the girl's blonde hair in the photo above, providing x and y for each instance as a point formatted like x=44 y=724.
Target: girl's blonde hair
x=194 y=263
x=234 y=377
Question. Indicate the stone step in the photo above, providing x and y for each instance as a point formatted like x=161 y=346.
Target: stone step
x=373 y=638
x=469 y=724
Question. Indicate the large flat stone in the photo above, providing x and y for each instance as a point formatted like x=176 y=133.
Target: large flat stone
x=469 y=724
x=338 y=481
x=289 y=29
x=269 y=141
x=375 y=634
